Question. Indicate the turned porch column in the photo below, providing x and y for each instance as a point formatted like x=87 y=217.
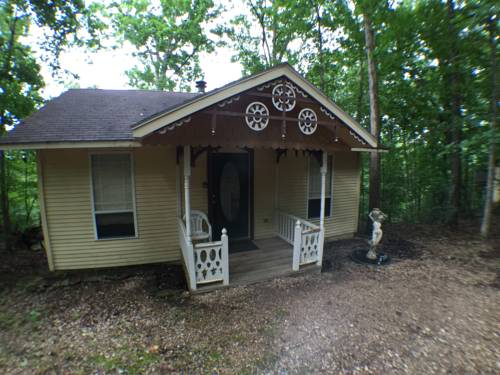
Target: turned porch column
x=187 y=190
x=323 y=170
x=178 y=189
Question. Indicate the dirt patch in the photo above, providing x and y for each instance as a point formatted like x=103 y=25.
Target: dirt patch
x=434 y=310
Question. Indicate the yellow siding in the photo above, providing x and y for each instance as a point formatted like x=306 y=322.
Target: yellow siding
x=66 y=178
x=346 y=185
x=199 y=193
x=293 y=170
x=67 y=190
x=264 y=192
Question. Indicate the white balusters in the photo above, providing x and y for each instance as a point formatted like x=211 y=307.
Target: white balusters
x=205 y=262
x=208 y=262
x=310 y=247
x=307 y=238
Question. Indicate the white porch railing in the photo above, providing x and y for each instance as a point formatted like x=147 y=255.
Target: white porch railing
x=307 y=238
x=205 y=262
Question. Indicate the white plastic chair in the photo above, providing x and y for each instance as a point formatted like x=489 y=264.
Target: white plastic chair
x=200 y=226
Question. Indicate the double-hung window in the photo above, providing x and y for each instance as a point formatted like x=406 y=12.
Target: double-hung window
x=314 y=198
x=113 y=195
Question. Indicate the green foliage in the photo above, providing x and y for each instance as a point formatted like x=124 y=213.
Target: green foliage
x=20 y=83
x=23 y=194
x=20 y=78
x=413 y=40
x=167 y=37
x=263 y=40
x=34 y=316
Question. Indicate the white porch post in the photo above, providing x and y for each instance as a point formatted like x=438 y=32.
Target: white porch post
x=297 y=243
x=178 y=189
x=187 y=191
x=323 y=170
x=225 y=257
x=276 y=197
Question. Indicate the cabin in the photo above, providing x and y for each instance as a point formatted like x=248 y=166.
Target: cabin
x=242 y=183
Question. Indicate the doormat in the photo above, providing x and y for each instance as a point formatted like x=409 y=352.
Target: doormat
x=241 y=246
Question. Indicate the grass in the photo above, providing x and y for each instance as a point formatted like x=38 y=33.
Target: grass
x=7 y=320
x=281 y=313
x=125 y=361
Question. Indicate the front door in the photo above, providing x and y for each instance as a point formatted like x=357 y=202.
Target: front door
x=229 y=194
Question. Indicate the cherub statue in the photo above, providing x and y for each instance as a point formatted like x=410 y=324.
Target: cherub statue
x=377 y=217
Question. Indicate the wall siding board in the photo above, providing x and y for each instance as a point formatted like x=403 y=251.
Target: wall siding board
x=293 y=188
x=69 y=211
x=264 y=194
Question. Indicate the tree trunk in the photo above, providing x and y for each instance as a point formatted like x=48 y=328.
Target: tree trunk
x=4 y=202
x=319 y=33
x=488 y=204
x=374 y=196
x=454 y=105
x=4 y=198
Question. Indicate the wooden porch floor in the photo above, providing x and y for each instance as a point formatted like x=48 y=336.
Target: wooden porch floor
x=272 y=259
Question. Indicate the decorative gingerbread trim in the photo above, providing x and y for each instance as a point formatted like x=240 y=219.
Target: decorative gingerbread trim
x=174 y=125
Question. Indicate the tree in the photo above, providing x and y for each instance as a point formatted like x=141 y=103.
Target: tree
x=488 y=203
x=264 y=39
x=168 y=38
x=20 y=81
x=20 y=78
x=374 y=198
x=454 y=104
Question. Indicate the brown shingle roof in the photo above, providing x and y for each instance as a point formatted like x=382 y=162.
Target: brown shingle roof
x=93 y=115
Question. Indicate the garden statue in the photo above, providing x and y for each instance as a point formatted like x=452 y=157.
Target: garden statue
x=377 y=217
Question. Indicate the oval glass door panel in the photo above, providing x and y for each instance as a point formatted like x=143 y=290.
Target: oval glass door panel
x=229 y=192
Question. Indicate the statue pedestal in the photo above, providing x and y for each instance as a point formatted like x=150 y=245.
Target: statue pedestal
x=360 y=256
x=371 y=254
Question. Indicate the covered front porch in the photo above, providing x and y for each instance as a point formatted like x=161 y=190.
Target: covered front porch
x=231 y=185
x=210 y=244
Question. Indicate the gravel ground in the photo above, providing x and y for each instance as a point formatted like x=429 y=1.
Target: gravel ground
x=434 y=309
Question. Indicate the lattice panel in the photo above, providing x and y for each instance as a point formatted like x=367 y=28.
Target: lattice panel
x=208 y=264
x=309 y=249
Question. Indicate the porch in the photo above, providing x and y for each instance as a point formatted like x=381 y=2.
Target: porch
x=272 y=259
x=296 y=247
x=230 y=156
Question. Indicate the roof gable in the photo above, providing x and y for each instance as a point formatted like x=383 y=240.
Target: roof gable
x=168 y=117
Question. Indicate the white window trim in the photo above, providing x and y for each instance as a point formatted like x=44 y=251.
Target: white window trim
x=92 y=199
x=326 y=196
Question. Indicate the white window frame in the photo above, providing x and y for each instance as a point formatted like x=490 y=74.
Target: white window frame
x=92 y=198
x=326 y=196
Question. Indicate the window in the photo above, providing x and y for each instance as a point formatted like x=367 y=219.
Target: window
x=113 y=193
x=314 y=198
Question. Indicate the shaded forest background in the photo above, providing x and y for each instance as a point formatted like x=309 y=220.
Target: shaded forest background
x=435 y=61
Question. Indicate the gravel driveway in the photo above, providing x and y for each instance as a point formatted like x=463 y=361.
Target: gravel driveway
x=434 y=309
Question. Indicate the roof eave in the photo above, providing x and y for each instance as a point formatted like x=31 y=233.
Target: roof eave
x=69 y=145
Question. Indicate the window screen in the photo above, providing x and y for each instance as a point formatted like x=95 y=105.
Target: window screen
x=314 y=199
x=113 y=195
